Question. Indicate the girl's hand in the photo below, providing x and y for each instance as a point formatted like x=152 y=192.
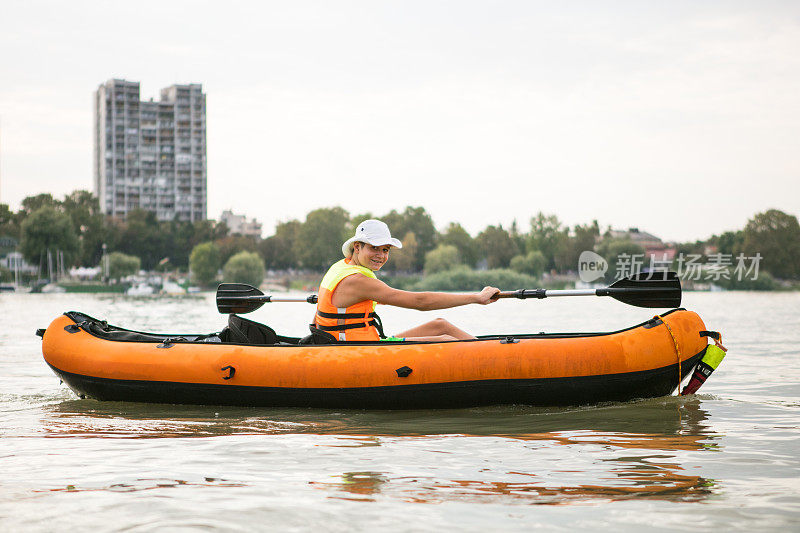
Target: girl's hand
x=487 y=295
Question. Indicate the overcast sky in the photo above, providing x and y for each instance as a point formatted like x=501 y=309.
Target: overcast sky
x=681 y=118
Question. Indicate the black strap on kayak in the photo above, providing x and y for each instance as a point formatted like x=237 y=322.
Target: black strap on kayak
x=716 y=336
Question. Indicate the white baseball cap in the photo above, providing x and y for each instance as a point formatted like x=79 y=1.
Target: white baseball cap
x=373 y=232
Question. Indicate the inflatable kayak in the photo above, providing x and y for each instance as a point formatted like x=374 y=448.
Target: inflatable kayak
x=248 y=364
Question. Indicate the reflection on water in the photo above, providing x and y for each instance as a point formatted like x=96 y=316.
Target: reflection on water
x=656 y=483
x=147 y=484
x=604 y=437
x=670 y=422
x=360 y=486
x=651 y=477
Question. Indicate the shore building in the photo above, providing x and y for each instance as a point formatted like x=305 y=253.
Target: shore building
x=240 y=224
x=652 y=245
x=151 y=155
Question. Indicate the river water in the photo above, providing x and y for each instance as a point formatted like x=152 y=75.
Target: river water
x=725 y=459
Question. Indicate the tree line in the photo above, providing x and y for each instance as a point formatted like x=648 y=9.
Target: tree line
x=76 y=227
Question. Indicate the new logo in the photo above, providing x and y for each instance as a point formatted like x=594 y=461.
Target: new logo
x=591 y=266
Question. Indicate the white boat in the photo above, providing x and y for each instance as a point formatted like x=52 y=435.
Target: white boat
x=140 y=289
x=53 y=288
x=172 y=289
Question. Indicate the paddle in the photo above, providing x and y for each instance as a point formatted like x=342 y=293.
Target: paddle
x=243 y=298
x=660 y=291
x=641 y=290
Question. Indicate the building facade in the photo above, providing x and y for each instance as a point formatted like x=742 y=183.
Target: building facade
x=151 y=155
x=240 y=224
x=652 y=245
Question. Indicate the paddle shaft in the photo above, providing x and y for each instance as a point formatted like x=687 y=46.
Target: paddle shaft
x=523 y=294
x=312 y=299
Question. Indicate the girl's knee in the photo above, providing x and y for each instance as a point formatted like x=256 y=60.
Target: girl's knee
x=441 y=326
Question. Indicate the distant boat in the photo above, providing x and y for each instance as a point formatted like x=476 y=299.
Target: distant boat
x=140 y=289
x=173 y=289
x=52 y=288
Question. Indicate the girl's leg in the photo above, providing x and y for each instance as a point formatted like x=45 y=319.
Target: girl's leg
x=438 y=329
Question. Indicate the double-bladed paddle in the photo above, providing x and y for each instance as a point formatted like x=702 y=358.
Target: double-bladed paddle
x=641 y=290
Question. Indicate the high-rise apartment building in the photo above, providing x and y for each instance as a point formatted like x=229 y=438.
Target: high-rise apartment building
x=151 y=155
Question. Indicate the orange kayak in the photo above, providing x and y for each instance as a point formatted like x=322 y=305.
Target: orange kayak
x=110 y=363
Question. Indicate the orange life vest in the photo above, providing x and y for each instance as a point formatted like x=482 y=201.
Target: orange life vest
x=358 y=322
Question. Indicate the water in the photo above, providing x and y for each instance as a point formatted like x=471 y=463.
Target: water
x=725 y=459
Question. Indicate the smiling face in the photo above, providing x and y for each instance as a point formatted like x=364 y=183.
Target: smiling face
x=372 y=257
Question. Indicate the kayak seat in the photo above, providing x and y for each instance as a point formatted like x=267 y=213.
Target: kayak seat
x=318 y=337
x=243 y=331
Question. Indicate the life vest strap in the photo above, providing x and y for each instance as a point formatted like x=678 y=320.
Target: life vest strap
x=376 y=321
x=342 y=327
x=323 y=314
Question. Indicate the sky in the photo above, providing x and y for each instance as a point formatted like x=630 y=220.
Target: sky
x=679 y=118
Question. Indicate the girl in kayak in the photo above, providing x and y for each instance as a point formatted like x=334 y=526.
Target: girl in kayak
x=350 y=290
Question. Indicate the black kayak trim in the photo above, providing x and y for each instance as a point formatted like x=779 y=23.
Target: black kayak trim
x=577 y=390
x=103 y=330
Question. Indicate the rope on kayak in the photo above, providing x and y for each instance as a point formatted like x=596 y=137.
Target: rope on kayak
x=677 y=348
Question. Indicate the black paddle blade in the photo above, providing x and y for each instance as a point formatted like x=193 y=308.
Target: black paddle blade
x=239 y=298
x=657 y=289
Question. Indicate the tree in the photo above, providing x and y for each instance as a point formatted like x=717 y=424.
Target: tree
x=518 y=238
x=121 y=265
x=404 y=259
x=208 y=230
x=8 y=222
x=319 y=240
x=233 y=244
x=278 y=250
x=776 y=236
x=142 y=236
x=83 y=209
x=497 y=246
x=180 y=242
x=620 y=254
x=417 y=221
x=443 y=257
x=204 y=263
x=34 y=203
x=463 y=278
x=244 y=267
x=48 y=229
x=730 y=242
x=550 y=238
x=685 y=249
x=583 y=238
x=457 y=236
x=180 y=238
x=532 y=263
